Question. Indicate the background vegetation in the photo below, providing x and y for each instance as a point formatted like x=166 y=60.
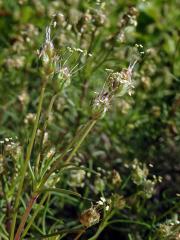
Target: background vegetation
x=133 y=150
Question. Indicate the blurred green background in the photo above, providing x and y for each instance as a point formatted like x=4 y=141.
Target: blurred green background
x=145 y=126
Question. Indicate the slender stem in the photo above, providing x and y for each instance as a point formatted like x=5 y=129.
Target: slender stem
x=91 y=124
x=35 y=195
x=35 y=214
x=130 y=221
x=81 y=138
x=25 y=216
x=102 y=226
x=28 y=156
x=168 y=211
x=43 y=131
x=100 y=229
x=59 y=233
x=80 y=234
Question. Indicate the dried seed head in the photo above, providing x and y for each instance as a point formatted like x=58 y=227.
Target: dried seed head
x=118 y=83
x=45 y=138
x=59 y=18
x=89 y=217
x=139 y=172
x=16 y=62
x=118 y=201
x=129 y=18
x=76 y=178
x=140 y=177
x=12 y=148
x=113 y=81
x=98 y=18
x=84 y=23
x=23 y=97
x=169 y=230
x=39 y=6
x=121 y=82
x=116 y=178
x=148 y=188
x=124 y=106
x=133 y=11
x=164 y=230
x=30 y=118
x=99 y=185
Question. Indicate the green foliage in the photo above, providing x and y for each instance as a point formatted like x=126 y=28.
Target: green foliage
x=74 y=163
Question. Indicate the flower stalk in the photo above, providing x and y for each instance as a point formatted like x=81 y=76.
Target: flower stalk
x=87 y=128
x=28 y=156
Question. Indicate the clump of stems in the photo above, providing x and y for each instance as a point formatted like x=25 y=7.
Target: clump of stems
x=117 y=84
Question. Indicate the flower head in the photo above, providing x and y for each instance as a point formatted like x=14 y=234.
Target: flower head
x=101 y=104
x=90 y=217
x=121 y=82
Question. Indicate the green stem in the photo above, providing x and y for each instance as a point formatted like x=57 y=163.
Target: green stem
x=60 y=232
x=90 y=126
x=81 y=138
x=43 y=131
x=35 y=195
x=102 y=226
x=100 y=229
x=28 y=156
x=130 y=221
x=169 y=211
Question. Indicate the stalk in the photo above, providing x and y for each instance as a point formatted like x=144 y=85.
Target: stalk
x=25 y=216
x=35 y=195
x=43 y=131
x=102 y=226
x=100 y=229
x=80 y=139
x=35 y=214
x=89 y=127
x=28 y=156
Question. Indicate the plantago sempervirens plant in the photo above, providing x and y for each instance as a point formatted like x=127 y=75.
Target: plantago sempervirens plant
x=117 y=83
x=49 y=68
x=42 y=170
